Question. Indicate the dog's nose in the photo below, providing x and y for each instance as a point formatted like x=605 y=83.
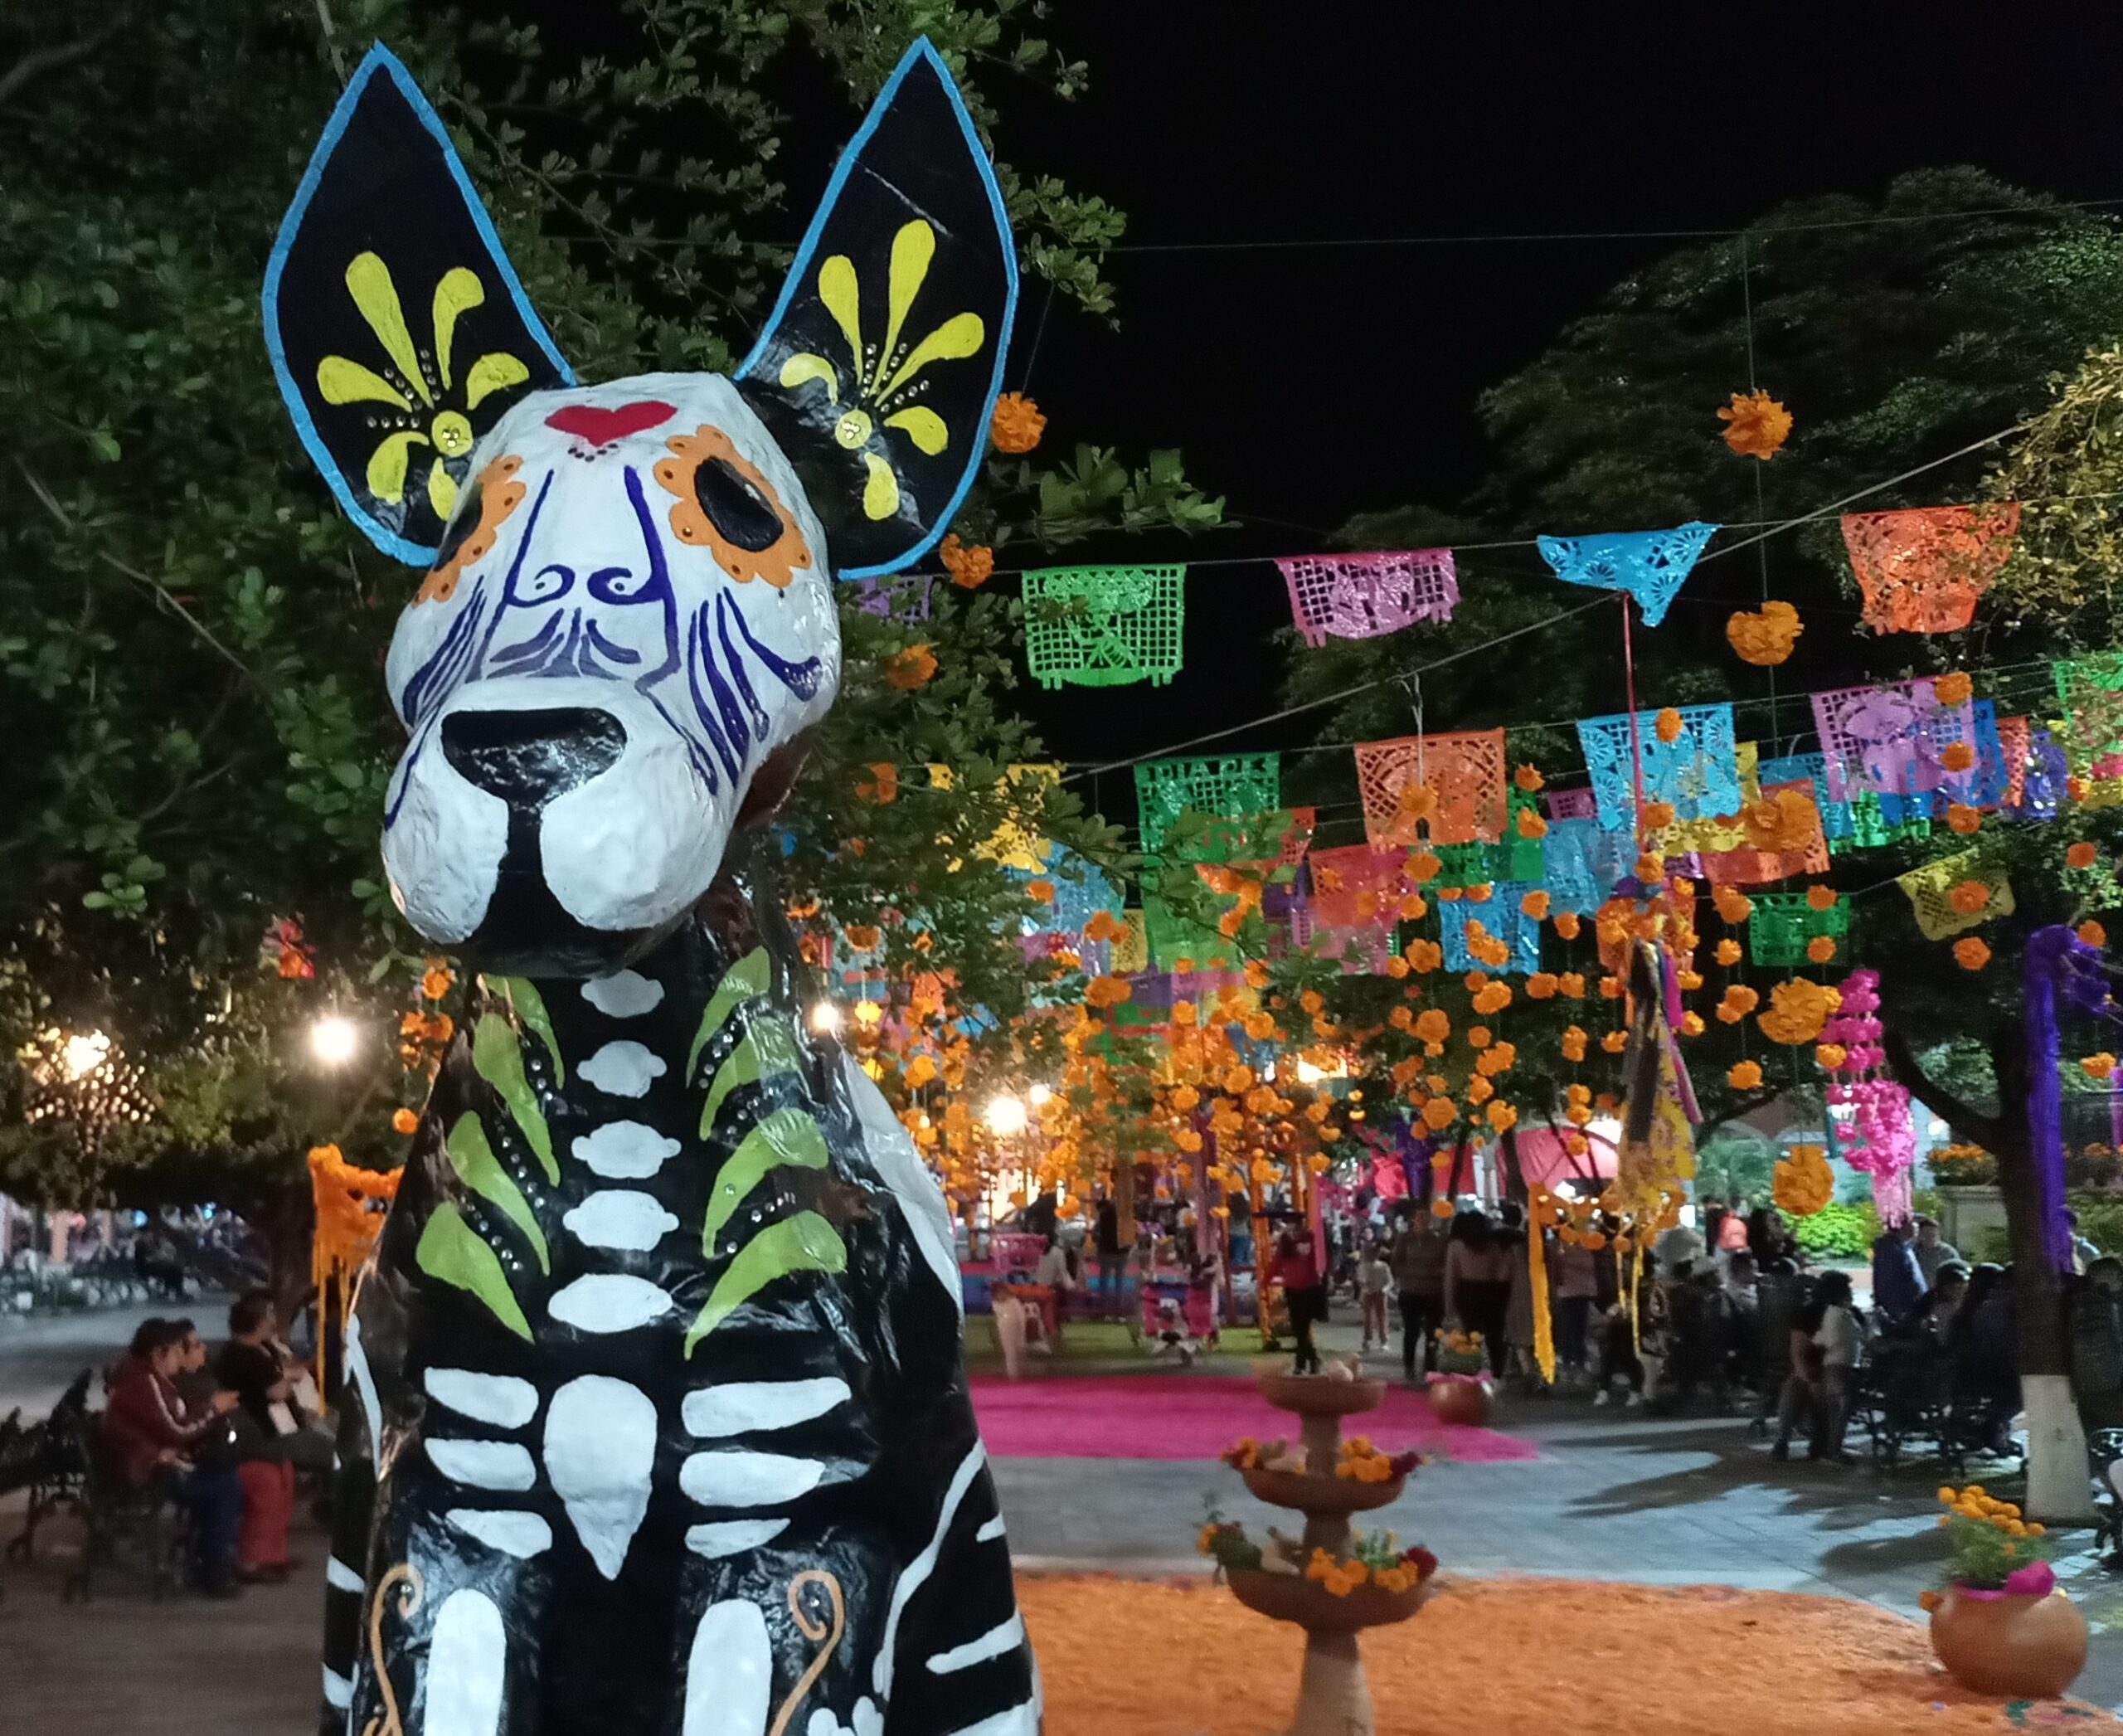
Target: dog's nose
x=529 y=758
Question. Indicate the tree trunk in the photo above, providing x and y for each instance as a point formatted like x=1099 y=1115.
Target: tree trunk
x=2057 y=1485
x=1514 y=1178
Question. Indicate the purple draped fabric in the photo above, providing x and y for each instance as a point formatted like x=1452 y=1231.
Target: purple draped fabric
x=2059 y=964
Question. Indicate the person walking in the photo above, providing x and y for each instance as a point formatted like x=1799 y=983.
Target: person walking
x=1418 y=1262
x=1478 y=1283
x=1374 y=1286
x=1304 y=1291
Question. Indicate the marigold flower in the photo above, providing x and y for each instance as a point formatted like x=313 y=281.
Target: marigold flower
x=1568 y=925
x=1734 y=907
x=1478 y=893
x=1541 y=985
x=1821 y=948
x=1728 y=952
x=1414 y=907
x=1502 y=1117
x=1432 y=1025
x=1015 y=424
x=1667 y=726
x=882 y=784
x=1527 y=778
x=405 y=1121
x=1957 y=756
x=1530 y=824
x=2081 y=855
x=2098 y=1066
x=969 y=567
x=1968 y=897
x=1953 y=689
x=1040 y=892
x=1963 y=818
x=1757 y=426
x=1971 y=954
x=1743 y=1075
x=2092 y=933
x=1650 y=867
x=436 y=981
x=1108 y=991
x=1765 y=639
x=1657 y=815
x=1439 y=1113
x=1614 y=1042
x=909 y=670
x=1829 y=1056
x=1572 y=984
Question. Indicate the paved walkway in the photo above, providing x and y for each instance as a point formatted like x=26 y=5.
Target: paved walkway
x=1615 y=1494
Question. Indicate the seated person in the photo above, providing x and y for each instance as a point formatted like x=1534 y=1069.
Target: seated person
x=155 y=1439
x=252 y=1365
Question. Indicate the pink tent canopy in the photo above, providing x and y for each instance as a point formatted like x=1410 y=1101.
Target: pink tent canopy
x=1544 y=1162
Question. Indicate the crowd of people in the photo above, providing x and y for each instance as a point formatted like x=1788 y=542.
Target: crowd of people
x=222 y=1438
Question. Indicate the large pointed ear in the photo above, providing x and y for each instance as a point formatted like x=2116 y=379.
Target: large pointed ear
x=397 y=327
x=881 y=361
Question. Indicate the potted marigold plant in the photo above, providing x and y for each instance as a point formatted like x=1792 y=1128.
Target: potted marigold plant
x=1459 y=1379
x=1999 y=1624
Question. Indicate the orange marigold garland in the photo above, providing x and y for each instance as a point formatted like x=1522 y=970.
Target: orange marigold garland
x=1971 y=954
x=1757 y=426
x=1016 y=424
x=1765 y=639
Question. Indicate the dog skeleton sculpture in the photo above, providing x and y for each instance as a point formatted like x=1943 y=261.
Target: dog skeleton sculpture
x=658 y=1422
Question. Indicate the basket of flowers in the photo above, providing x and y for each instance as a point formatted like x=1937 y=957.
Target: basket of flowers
x=1999 y=1624
x=1371 y=1583
x=1458 y=1378
x=1364 y=1477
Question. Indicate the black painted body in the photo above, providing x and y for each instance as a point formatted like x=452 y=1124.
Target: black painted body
x=586 y=1654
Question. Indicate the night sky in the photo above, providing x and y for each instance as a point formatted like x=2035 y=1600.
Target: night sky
x=1305 y=383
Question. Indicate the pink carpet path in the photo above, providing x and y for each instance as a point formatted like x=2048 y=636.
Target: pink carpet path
x=1193 y=1416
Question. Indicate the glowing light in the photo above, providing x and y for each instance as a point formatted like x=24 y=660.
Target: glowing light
x=82 y=1055
x=1038 y=1095
x=825 y=1019
x=1307 y=1073
x=334 y=1040
x=1006 y=1114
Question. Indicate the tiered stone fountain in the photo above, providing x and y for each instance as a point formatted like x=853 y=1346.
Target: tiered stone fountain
x=1333 y=1698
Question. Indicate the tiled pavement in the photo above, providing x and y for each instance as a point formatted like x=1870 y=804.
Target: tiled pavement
x=1613 y=1495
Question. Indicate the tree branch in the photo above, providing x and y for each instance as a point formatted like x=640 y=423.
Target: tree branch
x=1988 y=1131
x=38 y=61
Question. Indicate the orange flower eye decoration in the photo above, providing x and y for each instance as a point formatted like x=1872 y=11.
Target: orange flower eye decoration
x=470 y=537
x=724 y=504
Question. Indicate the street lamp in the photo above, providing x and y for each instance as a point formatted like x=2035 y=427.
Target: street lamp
x=825 y=1019
x=1006 y=1114
x=1038 y=1095
x=334 y=1040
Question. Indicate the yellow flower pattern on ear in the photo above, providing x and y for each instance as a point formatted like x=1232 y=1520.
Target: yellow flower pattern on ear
x=880 y=379
x=416 y=386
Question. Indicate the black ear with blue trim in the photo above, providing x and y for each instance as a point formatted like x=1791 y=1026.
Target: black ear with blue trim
x=397 y=327
x=881 y=361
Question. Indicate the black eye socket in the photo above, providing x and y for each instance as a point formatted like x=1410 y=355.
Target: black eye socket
x=462 y=523
x=744 y=516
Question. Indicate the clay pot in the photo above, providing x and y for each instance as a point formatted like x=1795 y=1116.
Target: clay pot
x=1310 y=1495
x=1288 y=1597
x=2017 y=1646
x=1465 y=1401
x=1316 y=1395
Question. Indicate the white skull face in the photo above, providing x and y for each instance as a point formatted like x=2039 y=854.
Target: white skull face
x=631 y=611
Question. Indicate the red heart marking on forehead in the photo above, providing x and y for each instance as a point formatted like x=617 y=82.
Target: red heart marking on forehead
x=601 y=426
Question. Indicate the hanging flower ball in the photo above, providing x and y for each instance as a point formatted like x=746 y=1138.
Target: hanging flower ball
x=1820 y=897
x=1739 y=1000
x=1667 y=725
x=1829 y=1056
x=1757 y=426
x=1542 y=985
x=1953 y=689
x=911 y=668
x=1040 y=892
x=1529 y=778
x=2098 y=1066
x=1530 y=824
x=1614 y=1042
x=1440 y=1207
x=1735 y=907
x=405 y=1121
x=2092 y=933
x=1650 y=867
x=1016 y=424
x=1797 y=1010
x=1743 y=1075
x=1502 y=1117
x=1728 y=952
x=436 y=979
x=1535 y=904
x=1568 y=925
x=1971 y=954
x=1957 y=756
x=1963 y=818
x=1422 y=867
x=1765 y=639
x=969 y=567
x=1968 y=897
x=2081 y=855
x=1821 y=948
x=1658 y=816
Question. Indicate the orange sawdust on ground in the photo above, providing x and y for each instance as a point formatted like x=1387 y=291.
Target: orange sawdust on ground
x=1122 y=1657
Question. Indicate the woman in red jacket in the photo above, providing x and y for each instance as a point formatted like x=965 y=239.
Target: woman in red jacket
x=150 y=1435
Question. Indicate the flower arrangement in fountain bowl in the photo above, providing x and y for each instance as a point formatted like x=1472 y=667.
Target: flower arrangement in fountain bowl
x=1370 y=1581
x=1364 y=1477
x=2001 y=1625
x=1458 y=1378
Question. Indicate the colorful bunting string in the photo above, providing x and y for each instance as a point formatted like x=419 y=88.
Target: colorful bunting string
x=1651 y=565
x=1363 y=595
